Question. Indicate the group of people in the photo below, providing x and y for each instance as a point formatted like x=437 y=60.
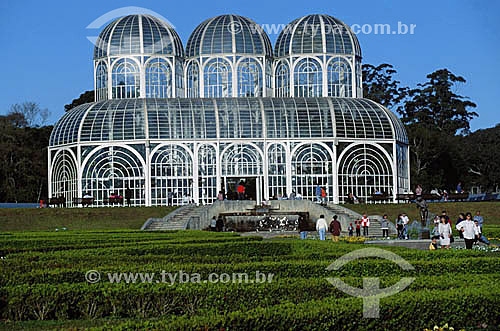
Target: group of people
x=322 y=227
x=217 y=224
x=469 y=228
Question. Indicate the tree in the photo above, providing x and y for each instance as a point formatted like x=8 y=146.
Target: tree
x=28 y=114
x=85 y=97
x=379 y=85
x=434 y=105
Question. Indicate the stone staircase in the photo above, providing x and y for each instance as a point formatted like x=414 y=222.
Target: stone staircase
x=179 y=219
x=350 y=216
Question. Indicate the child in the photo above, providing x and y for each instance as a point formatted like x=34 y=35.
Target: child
x=433 y=246
x=351 y=230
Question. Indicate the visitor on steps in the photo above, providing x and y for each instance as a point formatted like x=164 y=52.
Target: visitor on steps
x=351 y=230
x=469 y=231
x=128 y=196
x=335 y=229
x=318 y=193
x=365 y=223
x=321 y=227
x=358 y=227
x=323 y=196
x=384 y=225
x=241 y=191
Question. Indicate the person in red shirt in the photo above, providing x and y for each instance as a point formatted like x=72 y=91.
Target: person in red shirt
x=358 y=227
x=241 y=191
x=365 y=222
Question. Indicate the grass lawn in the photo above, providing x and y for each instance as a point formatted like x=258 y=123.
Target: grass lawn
x=36 y=219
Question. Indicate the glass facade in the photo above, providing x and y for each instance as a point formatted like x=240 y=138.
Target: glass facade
x=177 y=127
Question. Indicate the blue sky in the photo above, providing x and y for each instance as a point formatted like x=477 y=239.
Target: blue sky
x=47 y=58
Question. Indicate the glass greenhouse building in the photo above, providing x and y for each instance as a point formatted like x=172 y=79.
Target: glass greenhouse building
x=177 y=125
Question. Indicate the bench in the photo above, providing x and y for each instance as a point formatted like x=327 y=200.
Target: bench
x=380 y=197
x=85 y=202
x=113 y=201
x=458 y=196
x=59 y=202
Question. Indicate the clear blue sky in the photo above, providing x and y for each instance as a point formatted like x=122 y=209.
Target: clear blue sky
x=47 y=58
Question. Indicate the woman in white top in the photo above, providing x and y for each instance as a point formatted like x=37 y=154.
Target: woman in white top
x=444 y=233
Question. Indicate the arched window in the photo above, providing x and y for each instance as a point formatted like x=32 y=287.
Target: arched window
x=126 y=82
x=171 y=176
x=64 y=177
x=193 y=80
x=158 y=79
x=339 y=78
x=276 y=156
x=308 y=79
x=207 y=174
x=282 y=80
x=218 y=78
x=111 y=170
x=101 y=84
x=312 y=166
x=249 y=78
x=241 y=160
x=179 y=80
x=364 y=169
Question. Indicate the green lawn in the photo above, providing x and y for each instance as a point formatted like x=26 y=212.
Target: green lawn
x=36 y=219
x=45 y=287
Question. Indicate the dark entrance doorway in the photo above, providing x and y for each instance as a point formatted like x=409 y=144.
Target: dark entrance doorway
x=231 y=186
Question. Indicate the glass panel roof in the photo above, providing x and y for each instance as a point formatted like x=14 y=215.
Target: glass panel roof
x=228 y=34
x=317 y=34
x=227 y=118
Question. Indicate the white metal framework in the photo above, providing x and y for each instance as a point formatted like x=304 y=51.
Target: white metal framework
x=176 y=127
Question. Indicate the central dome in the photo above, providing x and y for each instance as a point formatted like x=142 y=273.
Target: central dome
x=228 y=34
x=317 y=33
x=137 y=35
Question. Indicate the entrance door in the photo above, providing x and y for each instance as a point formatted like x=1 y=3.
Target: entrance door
x=251 y=185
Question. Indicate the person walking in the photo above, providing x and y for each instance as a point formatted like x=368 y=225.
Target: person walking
x=213 y=224
x=318 y=193
x=444 y=233
x=303 y=227
x=358 y=227
x=406 y=220
x=468 y=230
x=323 y=196
x=335 y=228
x=128 y=196
x=220 y=224
x=400 y=226
x=321 y=227
x=351 y=230
x=461 y=218
x=384 y=225
x=365 y=223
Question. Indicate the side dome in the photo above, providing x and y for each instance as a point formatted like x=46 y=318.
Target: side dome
x=136 y=35
x=317 y=33
x=226 y=34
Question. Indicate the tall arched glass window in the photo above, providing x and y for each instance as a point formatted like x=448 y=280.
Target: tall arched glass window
x=193 y=80
x=249 y=78
x=308 y=78
x=218 y=78
x=126 y=82
x=179 y=81
x=158 y=79
x=101 y=85
x=282 y=80
x=339 y=78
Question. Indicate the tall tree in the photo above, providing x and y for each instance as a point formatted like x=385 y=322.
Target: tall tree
x=85 y=97
x=434 y=105
x=380 y=86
